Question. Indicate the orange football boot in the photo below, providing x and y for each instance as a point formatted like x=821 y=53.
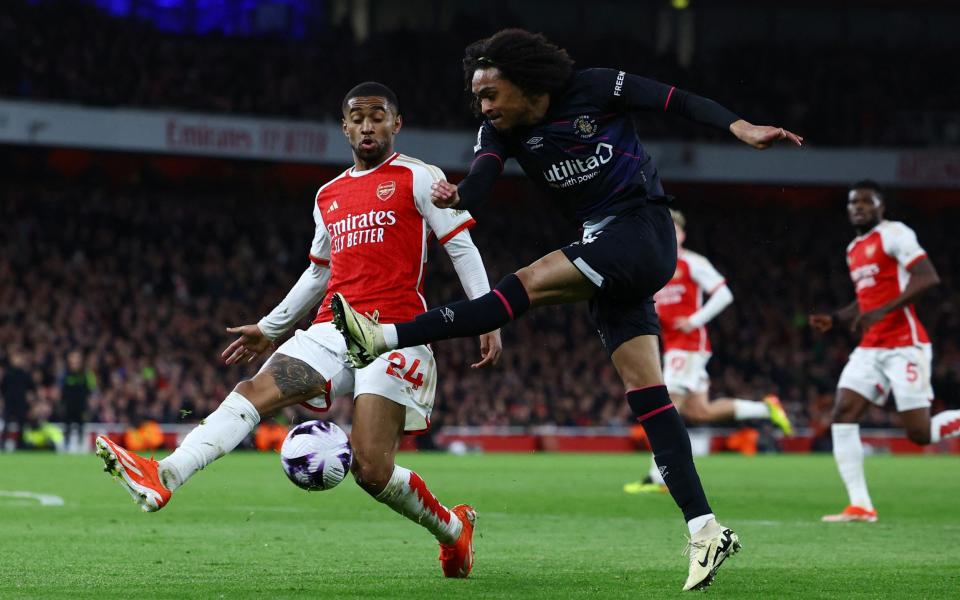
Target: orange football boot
x=852 y=514
x=457 y=558
x=138 y=475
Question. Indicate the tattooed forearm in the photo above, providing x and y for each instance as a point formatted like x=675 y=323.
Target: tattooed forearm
x=295 y=377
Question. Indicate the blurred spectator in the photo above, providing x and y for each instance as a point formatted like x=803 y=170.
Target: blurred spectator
x=143 y=281
x=17 y=389
x=40 y=433
x=75 y=388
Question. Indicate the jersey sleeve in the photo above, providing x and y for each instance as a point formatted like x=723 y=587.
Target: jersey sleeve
x=704 y=274
x=900 y=242
x=489 y=143
x=443 y=222
x=320 y=247
x=619 y=90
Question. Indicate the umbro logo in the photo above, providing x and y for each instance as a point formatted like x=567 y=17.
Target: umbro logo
x=333 y=206
x=534 y=141
x=663 y=471
x=447 y=314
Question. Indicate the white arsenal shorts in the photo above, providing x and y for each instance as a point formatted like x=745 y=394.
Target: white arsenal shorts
x=685 y=371
x=875 y=372
x=407 y=376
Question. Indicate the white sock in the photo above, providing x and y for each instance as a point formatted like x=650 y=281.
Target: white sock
x=216 y=435
x=655 y=475
x=407 y=494
x=944 y=425
x=748 y=409
x=848 y=452
x=390 y=336
x=697 y=523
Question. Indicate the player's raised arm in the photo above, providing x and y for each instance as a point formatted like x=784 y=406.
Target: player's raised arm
x=306 y=293
x=642 y=93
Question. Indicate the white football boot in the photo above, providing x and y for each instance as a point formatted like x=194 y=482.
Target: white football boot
x=708 y=548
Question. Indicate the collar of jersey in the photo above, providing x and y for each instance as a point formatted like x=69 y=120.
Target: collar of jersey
x=872 y=229
x=353 y=172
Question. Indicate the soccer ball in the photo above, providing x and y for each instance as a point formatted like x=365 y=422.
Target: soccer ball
x=316 y=455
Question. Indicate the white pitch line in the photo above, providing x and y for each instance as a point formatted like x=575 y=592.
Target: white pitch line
x=44 y=499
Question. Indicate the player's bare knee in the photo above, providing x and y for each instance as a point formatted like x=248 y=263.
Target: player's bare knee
x=371 y=475
x=257 y=394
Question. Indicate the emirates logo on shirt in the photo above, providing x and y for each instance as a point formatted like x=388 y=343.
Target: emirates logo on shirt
x=386 y=189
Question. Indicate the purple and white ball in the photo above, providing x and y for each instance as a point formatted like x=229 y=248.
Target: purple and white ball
x=316 y=455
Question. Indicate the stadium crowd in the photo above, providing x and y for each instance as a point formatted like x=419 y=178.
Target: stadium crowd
x=66 y=51
x=142 y=282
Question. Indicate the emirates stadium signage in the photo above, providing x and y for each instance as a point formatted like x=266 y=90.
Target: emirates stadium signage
x=120 y=129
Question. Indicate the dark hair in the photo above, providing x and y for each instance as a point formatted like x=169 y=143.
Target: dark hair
x=371 y=88
x=869 y=184
x=528 y=60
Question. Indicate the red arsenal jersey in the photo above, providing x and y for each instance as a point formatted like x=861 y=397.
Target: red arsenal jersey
x=879 y=264
x=372 y=229
x=683 y=296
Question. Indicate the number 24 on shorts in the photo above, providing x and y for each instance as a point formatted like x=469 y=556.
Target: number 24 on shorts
x=396 y=369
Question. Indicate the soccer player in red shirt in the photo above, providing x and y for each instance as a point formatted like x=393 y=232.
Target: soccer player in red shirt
x=686 y=350
x=373 y=222
x=890 y=271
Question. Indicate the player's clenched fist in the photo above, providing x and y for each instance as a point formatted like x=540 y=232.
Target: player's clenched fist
x=444 y=194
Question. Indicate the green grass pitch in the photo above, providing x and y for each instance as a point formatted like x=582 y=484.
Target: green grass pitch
x=550 y=526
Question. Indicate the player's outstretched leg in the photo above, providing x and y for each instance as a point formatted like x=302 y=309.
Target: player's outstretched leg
x=366 y=339
x=152 y=483
x=283 y=381
x=136 y=474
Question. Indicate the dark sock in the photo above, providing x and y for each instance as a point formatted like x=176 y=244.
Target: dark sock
x=467 y=318
x=671 y=448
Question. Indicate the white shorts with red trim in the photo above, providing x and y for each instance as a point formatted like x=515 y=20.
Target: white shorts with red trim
x=875 y=372
x=685 y=371
x=407 y=377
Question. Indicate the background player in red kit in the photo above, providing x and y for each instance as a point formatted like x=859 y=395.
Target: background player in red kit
x=890 y=271
x=686 y=350
x=372 y=226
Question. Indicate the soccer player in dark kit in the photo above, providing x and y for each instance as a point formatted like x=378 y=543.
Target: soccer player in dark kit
x=571 y=132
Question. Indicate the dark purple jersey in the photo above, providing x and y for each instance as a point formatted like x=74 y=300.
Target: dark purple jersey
x=585 y=153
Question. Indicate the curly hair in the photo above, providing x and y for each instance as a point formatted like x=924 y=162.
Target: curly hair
x=528 y=60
